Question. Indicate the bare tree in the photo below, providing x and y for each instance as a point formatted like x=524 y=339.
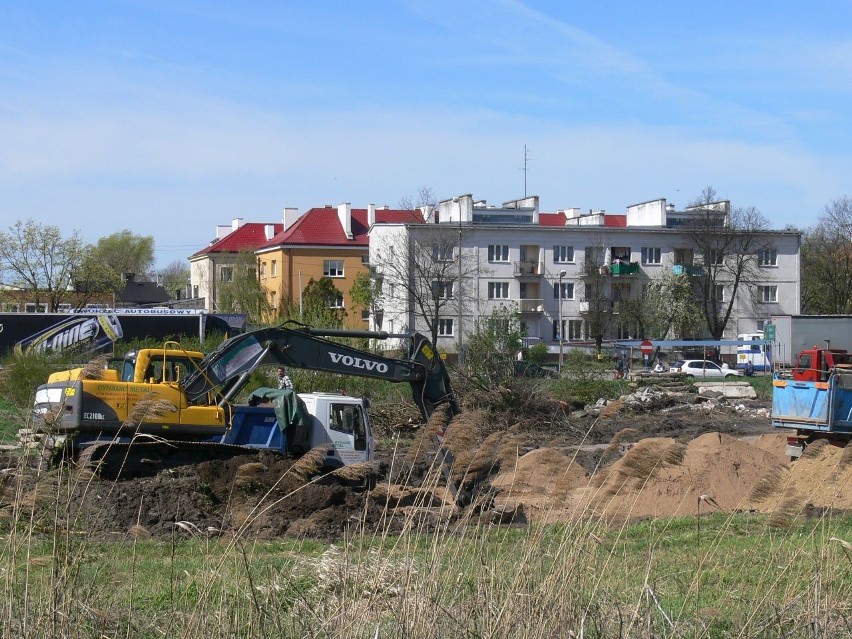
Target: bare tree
x=827 y=261
x=600 y=309
x=727 y=242
x=425 y=197
x=36 y=257
x=427 y=268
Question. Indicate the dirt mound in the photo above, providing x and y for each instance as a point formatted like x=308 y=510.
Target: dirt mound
x=816 y=483
x=657 y=477
x=615 y=466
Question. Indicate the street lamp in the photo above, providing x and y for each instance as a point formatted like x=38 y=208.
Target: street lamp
x=561 y=327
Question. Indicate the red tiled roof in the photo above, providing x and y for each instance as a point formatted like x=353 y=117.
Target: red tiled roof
x=551 y=219
x=321 y=227
x=249 y=236
x=615 y=221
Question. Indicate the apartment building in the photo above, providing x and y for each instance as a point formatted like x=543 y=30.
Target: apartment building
x=567 y=272
x=330 y=242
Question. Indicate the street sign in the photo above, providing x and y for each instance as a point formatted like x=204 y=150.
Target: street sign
x=646 y=347
x=769 y=332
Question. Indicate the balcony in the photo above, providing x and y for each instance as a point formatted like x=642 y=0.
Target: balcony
x=624 y=268
x=683 y=269
x=602 y=305
x=530 y=306
x=527 y=269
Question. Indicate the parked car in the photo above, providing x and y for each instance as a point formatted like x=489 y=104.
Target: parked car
x=703 y=368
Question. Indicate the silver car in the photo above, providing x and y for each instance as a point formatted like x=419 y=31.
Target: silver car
x=703 y=368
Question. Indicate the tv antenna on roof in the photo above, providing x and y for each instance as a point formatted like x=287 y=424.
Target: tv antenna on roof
x=526 y=160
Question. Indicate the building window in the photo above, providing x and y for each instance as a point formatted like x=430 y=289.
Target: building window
x=767 y=257
x=563 y=254
x=10 y=308
x=365 y=315
x=274 y=268
x=365 y=258
x=622 y=330
x=767 y=294
x=556 y=331
x=718 y=292
x=226 y=274
x=273 y=301
x=715 y=256
x=263 y=270
x=620 y=292
x=336 y=301
x=567 y=292
x=761 y=324
x=651 y=255
x=443 y=290
x=620 y=253
x=683 y=256
x=443 y=252
x=445 y=327
x=30 y=307
x=332 y=268
x=498 y=252
x=575 y=329
x=498 y=290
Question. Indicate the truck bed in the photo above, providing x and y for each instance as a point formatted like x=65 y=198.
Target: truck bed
x=813 y=406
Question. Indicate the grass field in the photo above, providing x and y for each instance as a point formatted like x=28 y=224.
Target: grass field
x=717 y=576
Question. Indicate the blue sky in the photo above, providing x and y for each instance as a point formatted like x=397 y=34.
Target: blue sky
x=170 y=117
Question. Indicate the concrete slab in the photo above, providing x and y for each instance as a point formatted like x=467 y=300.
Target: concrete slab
x=734 y=390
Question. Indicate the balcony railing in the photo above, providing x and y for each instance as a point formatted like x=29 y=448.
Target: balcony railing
x=683 y=269
x=624 y=268
x=527 y=268
x=530 y=306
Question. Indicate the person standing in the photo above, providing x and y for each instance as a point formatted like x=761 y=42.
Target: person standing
x=284 y=379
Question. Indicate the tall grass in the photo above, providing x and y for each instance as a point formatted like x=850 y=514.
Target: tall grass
x=721 y=575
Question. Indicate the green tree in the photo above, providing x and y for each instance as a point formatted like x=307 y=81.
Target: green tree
x=493 y=347
x=322 y=304
x=667 y=308
x=128 y=253
x=37 y=258
x=174 y=277
x=366 y=293
x=243 y=294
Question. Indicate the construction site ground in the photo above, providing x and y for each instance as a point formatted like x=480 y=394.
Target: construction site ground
x=652 y=453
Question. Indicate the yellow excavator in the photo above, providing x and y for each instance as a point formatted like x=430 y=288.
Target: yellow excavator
x=170 y=406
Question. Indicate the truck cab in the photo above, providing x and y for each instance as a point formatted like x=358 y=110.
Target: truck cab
x=339 y=424
x=816 y=364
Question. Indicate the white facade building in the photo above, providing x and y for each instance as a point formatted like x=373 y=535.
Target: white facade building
x=516 y=255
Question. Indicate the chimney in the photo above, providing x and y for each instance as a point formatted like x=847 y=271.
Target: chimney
x=269 y=231
x=291 y=214
x=371 y=215
x=344 y=212
x=236 y=223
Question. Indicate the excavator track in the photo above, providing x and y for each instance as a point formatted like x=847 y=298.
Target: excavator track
x=121 y=460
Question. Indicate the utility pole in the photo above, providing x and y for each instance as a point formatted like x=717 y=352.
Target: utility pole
x=459 y=295
x=561 y=327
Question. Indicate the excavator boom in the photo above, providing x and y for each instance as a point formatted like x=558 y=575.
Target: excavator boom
x=226 y=370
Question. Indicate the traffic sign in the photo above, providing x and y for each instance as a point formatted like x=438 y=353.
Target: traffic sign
x=646 y=347
x=769 y=331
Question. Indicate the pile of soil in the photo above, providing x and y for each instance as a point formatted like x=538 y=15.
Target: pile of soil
x=616 y=465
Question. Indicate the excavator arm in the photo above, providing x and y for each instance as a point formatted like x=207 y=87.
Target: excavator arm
x=225 y=371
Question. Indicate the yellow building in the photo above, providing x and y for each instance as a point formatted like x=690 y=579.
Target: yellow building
x=327 y=242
